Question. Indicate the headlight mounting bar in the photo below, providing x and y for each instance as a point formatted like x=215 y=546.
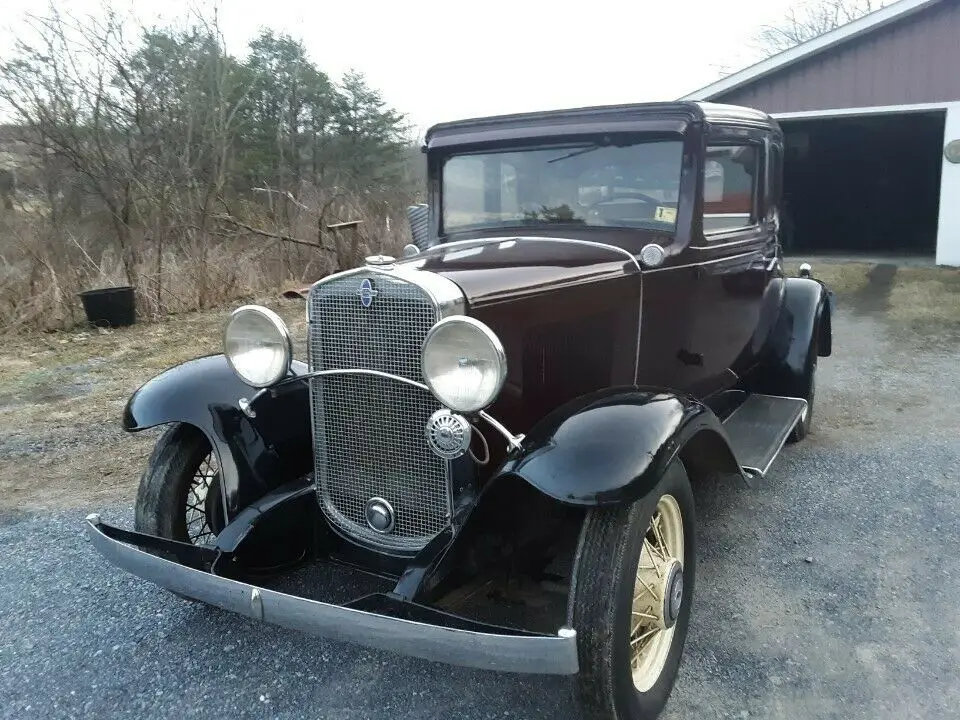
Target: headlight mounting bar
x=247 y=406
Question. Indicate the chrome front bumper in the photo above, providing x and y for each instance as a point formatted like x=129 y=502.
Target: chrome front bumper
x=548 y=655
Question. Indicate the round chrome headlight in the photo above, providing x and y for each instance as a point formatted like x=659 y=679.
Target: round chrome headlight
x=463 y=363
x=257 y=345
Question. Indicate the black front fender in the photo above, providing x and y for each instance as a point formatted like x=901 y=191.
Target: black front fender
x=613 y=446
x=256 y=454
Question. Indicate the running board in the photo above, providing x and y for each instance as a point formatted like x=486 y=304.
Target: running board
x=759 y=428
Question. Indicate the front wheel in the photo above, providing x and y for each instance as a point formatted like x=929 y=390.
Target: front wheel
x=633 y=585
x=179 y=494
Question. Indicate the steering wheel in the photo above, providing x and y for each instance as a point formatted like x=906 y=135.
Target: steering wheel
x=630 y=194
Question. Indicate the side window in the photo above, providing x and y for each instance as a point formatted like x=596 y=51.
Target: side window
x=731 y=180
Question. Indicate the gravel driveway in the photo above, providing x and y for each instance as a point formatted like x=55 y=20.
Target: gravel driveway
x=830 y=590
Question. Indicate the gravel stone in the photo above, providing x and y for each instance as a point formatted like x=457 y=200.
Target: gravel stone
x=867 y=631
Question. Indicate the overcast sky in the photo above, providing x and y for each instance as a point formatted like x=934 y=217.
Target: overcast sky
x=442 y=59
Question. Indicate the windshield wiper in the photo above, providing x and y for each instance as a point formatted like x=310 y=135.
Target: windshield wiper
x=574 y=153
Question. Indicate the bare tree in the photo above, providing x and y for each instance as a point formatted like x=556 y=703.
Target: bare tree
x=144 y=118
x=811 y=19
x=70 y=95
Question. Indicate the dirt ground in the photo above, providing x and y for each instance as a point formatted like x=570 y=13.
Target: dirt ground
x=62 y=394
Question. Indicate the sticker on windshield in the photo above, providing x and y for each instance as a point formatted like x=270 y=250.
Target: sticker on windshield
x=665 y=214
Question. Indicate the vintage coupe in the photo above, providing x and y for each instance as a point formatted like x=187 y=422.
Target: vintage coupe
x=498 y=432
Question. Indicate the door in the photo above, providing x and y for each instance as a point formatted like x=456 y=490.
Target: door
x=738 y=263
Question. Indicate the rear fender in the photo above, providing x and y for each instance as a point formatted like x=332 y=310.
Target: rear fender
x=256 y=454
x=613 y=446
x=806 y=315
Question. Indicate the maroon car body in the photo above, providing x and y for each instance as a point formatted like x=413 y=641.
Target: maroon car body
x=615 y=276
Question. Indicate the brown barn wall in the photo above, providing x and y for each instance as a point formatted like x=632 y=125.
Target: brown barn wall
x=916 y=60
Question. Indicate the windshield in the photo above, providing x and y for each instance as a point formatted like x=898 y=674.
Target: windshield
x=634 y=184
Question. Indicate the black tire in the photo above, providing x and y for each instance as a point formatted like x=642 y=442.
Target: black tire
x=165 y=486
x=602 y=603
x=802 y=428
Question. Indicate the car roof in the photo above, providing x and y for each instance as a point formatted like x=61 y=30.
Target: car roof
x=714 y=113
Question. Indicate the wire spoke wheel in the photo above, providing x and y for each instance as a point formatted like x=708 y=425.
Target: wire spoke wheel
x=634 y=577
x=657 y=594
x=201 y=492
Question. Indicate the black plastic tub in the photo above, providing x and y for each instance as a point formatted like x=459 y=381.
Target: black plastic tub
x=110 y=307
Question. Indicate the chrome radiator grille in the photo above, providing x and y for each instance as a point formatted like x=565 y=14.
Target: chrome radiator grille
x=369 y=431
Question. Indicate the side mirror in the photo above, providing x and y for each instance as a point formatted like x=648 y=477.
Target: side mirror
x=419 y=218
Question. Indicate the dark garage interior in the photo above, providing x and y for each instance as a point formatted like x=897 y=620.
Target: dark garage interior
x=863 y=185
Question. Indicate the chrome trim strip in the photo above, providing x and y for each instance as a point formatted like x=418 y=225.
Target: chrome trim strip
x=347 y=371
x=716 y=240
x=446 y=294
x=507 y=238
x=705 y=262
x=467 y=648
x=636 y=361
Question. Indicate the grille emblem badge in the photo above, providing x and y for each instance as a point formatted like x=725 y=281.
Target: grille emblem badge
x=366 y=292
x=380 y=515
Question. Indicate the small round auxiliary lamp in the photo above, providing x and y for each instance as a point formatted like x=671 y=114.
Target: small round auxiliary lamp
x=448 y=434
x=952 y=151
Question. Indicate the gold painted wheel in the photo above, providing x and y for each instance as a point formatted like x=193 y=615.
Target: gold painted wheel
x=657 y=594
x=633 y=581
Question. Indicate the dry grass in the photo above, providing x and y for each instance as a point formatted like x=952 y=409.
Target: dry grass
x=920 y=304
x=842 y=278
x=927 y=301
x=45 y=265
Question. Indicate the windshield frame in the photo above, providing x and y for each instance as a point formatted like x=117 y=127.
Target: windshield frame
x=564 y=147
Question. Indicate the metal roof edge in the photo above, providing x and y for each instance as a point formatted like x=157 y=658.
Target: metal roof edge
x=567 y=116
x=861 y=26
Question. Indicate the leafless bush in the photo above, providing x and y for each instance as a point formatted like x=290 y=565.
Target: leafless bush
x=249 y=249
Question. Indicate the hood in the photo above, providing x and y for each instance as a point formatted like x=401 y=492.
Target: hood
x=496 y=270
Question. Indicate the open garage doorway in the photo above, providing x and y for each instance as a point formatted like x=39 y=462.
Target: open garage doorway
x=862 y=185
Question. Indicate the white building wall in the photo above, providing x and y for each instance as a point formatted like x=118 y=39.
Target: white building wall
x=948 y=230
